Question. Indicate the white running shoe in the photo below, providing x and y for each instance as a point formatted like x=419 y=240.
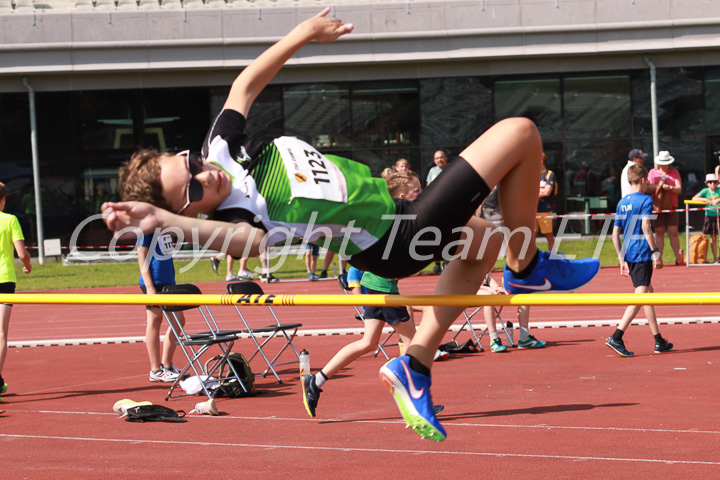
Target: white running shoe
x=163 y=375
x=205 y=408
x=245 y=275
x=231 y=278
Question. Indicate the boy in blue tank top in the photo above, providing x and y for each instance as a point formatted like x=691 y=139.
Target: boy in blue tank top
x=154 y=254
x=637 y=254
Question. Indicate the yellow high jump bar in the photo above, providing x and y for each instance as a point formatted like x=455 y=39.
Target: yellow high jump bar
x=568 y=299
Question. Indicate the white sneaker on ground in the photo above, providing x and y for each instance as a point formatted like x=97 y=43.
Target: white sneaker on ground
x=245 y=275
x=205 y=408
x=231 y=278
x=163 y=375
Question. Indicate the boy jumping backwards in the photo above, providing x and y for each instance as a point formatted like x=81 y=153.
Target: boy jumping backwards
x=264 y=193
x=637 y=254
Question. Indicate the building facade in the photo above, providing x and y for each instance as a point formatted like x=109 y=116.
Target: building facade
x=412 y=78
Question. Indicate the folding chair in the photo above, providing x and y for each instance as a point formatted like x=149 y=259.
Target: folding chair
x=195 y=345
x=469 y=326
x=359 y=315
x=252 y=288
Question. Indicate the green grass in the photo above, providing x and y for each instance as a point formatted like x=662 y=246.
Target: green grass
x=54 y=275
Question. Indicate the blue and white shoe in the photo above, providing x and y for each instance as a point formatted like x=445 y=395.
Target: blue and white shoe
x=531 y=342
x=496 y=346
x=553 y=274
x=411 y=392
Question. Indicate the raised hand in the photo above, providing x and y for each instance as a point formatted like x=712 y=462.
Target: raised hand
x=328 y=29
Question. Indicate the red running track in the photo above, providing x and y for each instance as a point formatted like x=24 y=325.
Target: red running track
x=572 y=410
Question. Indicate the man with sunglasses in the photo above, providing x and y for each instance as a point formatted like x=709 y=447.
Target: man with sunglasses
x=264 y=193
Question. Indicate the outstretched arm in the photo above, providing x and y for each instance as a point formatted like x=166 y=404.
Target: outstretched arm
x=236 y=239
x=253 y=79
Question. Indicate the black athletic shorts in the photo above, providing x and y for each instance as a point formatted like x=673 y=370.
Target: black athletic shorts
x=390 y=315
x=641 y=273
x=445 y=205
x=158 y=288
x=7 y=287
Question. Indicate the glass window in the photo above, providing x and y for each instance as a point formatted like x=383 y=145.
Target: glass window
x=105 y=120
x=712 y=100
x=642 y=115
x=537 y=99
x=59 y=174
x=174 y=119
x=318 y=113
x=385 y=114
x=592 y=169
x=16 y=158
x=680 y=101
x=455 y=110
x=266 y=115
x=597 y=106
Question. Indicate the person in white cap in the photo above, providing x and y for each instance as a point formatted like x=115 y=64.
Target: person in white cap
x=668 y=184
x=711 y=196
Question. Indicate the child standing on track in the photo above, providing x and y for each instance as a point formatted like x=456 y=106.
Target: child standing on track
x=711 y=196
x=11 y=238
x=401 y=185
x=156 y=271
x=266 y=193
x=637 y=254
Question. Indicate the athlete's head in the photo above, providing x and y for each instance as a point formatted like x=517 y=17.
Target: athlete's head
x=3 y=191
x=404 y=185
x=636 y=174
x=180 y=183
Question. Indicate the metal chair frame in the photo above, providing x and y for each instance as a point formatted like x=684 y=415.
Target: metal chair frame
x=243 y=288
x=195 y=345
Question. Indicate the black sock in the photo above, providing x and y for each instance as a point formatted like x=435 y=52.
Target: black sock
x=658 y=339
x=527 y=270
x=419 y=367
x=617 y=335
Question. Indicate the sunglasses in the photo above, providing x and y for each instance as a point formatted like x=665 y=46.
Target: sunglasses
x=194 y=189
x=712 y=181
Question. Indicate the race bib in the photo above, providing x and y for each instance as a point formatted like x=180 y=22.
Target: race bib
x=165 y=244
x=311 y=175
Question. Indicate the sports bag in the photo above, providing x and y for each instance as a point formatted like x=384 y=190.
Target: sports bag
x=154 y=413
x=231 y=388
x=698 y=248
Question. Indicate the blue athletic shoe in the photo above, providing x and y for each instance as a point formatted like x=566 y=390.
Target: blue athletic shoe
x=531 y=342
x=619 y=347
x=411 y=392
x=553 y=274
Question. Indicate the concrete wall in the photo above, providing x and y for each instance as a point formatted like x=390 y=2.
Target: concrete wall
x=143 y=48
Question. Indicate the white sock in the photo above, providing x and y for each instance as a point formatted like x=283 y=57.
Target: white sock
x=319 y=379
x=524 y=333
x=494 y=336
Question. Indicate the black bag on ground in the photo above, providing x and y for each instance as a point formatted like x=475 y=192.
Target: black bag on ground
x=231 y=388
x=454 y=347
x=154 y=413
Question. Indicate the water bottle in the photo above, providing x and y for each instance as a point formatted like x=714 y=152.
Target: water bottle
x=304 y=363
x=509 y=327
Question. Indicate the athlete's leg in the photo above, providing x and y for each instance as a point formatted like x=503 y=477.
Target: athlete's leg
x=350 y=352
x=463 y=275
x=509 y=154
